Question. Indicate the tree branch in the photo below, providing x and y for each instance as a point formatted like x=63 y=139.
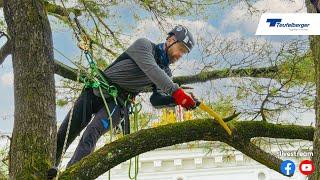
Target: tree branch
x=146 y=140
x=257 y=154
x=250 y=129
x=71 y=73
x=67 y=71
x=5 y=50
x=5 y=136
x=265 y=72
x=231 y=117
x=58 y=10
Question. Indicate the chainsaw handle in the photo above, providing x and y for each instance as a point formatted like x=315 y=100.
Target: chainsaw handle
x=195 y=100
x=197 y=103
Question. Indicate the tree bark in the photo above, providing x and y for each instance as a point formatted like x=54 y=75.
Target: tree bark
x=315 y=46
x=313 y=6
x=146 y=140
x=34 y=134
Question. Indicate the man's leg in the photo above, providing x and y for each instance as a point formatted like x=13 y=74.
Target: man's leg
x=97 y=127
x=83 y=109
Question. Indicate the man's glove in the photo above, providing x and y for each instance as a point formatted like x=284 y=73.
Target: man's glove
x=183 y=99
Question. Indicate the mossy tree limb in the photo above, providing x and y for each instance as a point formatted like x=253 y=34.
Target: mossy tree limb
x=56 y=9
x=256 y=153
x=67 y=71
x=251 y=129
x=59 y=10
x=146 y=140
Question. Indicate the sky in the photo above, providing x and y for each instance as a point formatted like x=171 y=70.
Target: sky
x=231 y=22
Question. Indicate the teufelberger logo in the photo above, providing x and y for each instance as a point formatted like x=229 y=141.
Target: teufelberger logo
x=289 y=24
x=277 y=23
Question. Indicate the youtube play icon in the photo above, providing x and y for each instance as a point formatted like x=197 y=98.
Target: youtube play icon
x=306 y=167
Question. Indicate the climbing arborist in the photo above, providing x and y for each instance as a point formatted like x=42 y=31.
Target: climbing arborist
x=143 y=65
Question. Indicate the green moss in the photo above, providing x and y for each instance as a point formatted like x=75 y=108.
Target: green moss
x=36 y=160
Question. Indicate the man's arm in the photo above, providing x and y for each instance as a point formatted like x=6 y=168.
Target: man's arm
x=141 y=52
x=160 y=100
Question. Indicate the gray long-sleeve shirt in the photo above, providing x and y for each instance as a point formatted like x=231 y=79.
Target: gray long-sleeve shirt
x=140 y=70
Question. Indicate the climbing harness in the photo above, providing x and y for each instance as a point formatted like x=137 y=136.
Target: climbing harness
x=94 y=79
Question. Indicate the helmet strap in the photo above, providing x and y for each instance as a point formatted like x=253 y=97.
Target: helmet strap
x=167 y=47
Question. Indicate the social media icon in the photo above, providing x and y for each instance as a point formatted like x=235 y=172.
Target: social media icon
x=306 y=167
x=287 y=167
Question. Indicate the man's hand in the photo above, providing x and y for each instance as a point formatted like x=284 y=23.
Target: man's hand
x=183 y=99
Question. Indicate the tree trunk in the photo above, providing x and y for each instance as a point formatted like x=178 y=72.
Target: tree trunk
x=34 y=133
x=315 y=48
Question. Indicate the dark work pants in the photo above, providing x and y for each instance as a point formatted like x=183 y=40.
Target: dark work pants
x=85 y=106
